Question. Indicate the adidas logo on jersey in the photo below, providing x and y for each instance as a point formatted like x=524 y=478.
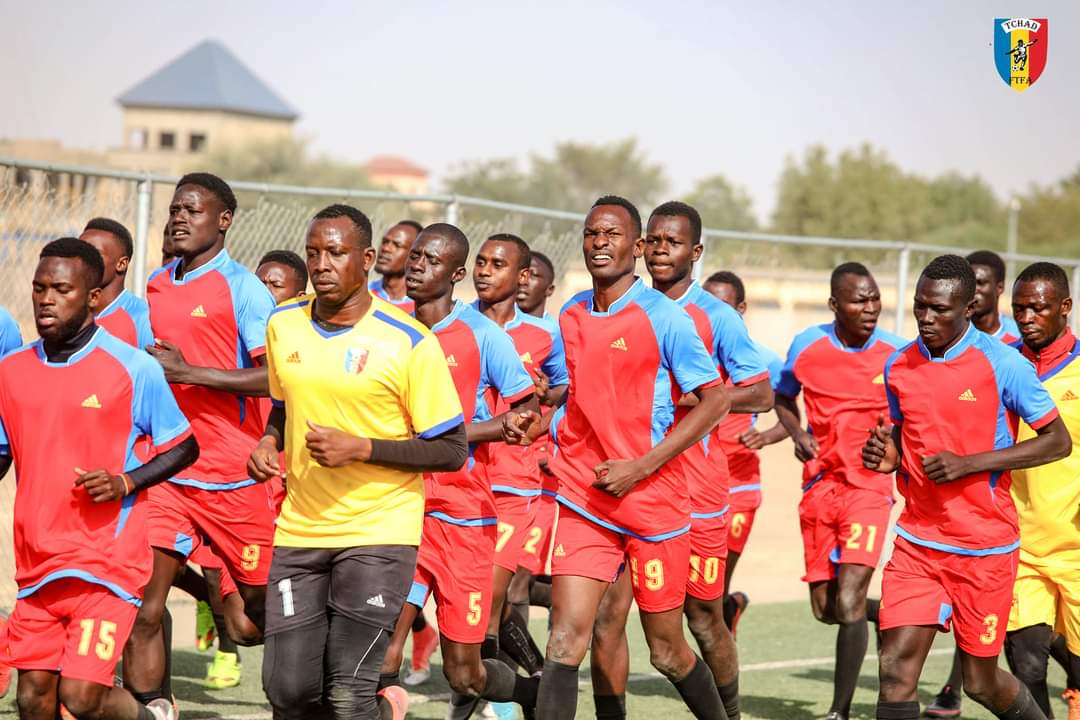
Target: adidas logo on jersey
x=294 y=358
x=620 y=344
x=967 y=396
x=880 y=379
x=526 y=358
x=451 y=361
x=198 y=312
x=376 y=601
x=1070 y=395
x=92 y=402
x=559 y=551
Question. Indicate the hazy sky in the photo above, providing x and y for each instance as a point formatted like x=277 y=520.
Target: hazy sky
x=707 y=87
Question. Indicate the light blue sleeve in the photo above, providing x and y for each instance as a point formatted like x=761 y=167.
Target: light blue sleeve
x=253 y=303
x=1021 y=391
x=682 y=351
x=734 y=348
x=140 y=314
x=789 y=384
x=5 y=444
x=502 y=368
x=895 y=413
x=554 y=365
x=10 y=337
x=155 y=410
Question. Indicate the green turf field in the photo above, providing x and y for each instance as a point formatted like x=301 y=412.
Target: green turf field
x=787 y=675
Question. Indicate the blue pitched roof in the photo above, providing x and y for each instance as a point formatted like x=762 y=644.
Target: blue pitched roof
x=208 y=77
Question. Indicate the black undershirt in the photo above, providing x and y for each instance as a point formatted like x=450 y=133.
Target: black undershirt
x=69 y=347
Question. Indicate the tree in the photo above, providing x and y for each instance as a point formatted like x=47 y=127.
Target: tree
x=285 y=162
x=1050 y=218
x=722 y=206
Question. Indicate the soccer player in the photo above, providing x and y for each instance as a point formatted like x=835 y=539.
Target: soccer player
x=363 y=403
x=10 y=337
x=209 y=315
x=740 y=440
x=672 y=246
x=955 y=557
x=989 y=285
x=390 y=263
x=284 y=274
x=121 y=313
x=457 y=554
x=630 y=352
x=501 y=267
x=1047 y=590
x=844 y=512
x=81 y=550
x=533 y=295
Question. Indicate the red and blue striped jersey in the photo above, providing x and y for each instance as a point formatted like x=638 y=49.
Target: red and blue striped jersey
x=515 y=469
x=128 y=318
x=482 y=362
x=86 y=412
x=217 y=316
x=966 y=402
x=844 y=393
x=627 y=367
x=722 y=330
x=405 y=304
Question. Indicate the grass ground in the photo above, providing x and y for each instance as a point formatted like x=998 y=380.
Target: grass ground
x=787 y=675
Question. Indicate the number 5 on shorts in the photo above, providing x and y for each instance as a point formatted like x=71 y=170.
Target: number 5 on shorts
x=476 y=610
x=106 y=645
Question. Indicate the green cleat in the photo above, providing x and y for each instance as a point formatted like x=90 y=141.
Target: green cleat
x=224 y=671
x=205 y=631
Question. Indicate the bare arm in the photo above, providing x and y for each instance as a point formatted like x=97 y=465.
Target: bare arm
x=753 y=398
x=756 y=439
x=245 y=382
x=1051 y=442
x=787 y=411
x=492 y=430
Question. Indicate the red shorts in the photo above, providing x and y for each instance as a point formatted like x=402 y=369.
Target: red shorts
x=708 y=557
x=739 y=528
x=515 y=521
x=658 y=570
x=841 y=525
x=71 y=627
x=203 y=556
x=239 y=525
x=922 y=586
x=455 y=563
x=537 y=548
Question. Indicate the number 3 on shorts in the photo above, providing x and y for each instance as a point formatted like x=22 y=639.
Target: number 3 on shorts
x=106 y=645
x=990 y=622
x=476 y=610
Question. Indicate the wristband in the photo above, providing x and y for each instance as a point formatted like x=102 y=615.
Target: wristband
x=129 y=487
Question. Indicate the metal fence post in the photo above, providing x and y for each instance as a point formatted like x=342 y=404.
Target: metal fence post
x=142 y=232
x=452 y=211
x=901 y=289
x=1075 y=319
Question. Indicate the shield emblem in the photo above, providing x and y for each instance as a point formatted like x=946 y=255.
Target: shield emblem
x=1020 y=50
x=355 y=360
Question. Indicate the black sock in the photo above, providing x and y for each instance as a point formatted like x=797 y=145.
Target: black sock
x=540 y=592
x=515 y=640
x=1023 y=707
x=730 y=606
x=897 y=710
x=956 y=677
x=610 y=707
x=698 y=691
x=419 y=623
x=729 y=696
x=557 y=699
x=489 y=648
x=851 y=640
x=873 y=608
x=146 y=698
x=388 y=679
x=499 y=686
x=166 y=634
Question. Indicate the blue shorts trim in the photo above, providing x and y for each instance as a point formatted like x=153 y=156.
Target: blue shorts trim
x=956 y=549
x=744 y=488
x=79 y=575
x=201 y=485
x=462 y=522
x=710 y=515
x=621 y=530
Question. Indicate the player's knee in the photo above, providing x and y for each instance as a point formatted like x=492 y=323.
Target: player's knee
x=671 y=660
x=705 y=620
x=148 y=620
x=567 y=645
x=895 y=682
x=288 y=691
x=464 y=679
x=35 y=699
x=823 y=613
x=978 y=689
x=850 y=607
x=83 y=699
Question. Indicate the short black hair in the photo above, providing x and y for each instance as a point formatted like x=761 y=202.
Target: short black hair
x=674 y=208
x=459 y=244
x=848 y=268
x=544 y=260
x=952 y=267
x=359 y=219
x=214 y=184
x=290 y=260
x=626 y=205
x=524 y=253
x=114 y=228
x=69 y=247
x=1054 y=274
x=729 y=278
x=990 y=259
x=410 y=223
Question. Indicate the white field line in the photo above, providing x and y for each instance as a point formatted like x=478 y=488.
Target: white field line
x=416 y=698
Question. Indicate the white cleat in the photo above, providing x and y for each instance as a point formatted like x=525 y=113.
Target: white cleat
x=162 y=709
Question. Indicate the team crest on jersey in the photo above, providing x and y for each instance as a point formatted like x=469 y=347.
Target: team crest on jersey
x=355 y=360
x=1020 y=50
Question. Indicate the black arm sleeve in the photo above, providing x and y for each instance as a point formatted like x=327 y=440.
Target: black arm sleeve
x=443 y=453
x=5 y=464
x=165 y=465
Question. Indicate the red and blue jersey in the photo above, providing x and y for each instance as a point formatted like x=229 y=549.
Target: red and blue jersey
x=515 y=469
x=965 y=402
x=482 y=361
x=10 y=337
x=844 y=393
x=405 y=304
x=1008 y=332
x=217 y=316
x=744 y=466
x=722 y=330
x=628 y=367
x=128 y=318
x=86 y=412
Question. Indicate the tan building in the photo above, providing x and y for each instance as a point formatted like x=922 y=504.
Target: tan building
x=398 y=174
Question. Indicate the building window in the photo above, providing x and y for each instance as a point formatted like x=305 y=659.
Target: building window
x=167 y=140
x=137 y=138
x=197 y=142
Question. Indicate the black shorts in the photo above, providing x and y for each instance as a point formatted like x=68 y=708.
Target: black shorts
x=367 y=584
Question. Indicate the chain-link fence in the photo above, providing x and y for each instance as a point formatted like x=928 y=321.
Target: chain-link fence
x=786 y=277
